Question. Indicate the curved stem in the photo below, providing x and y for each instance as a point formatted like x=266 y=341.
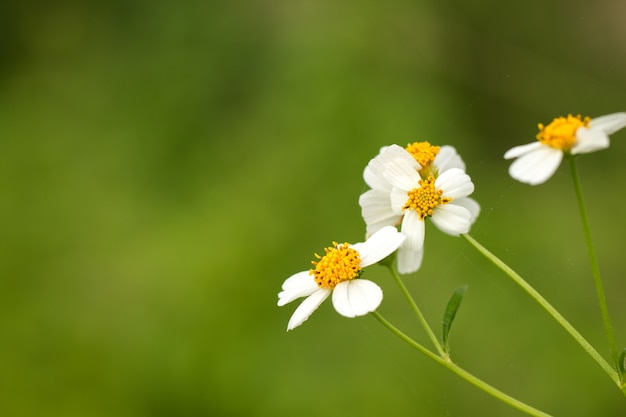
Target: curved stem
x=548 y=307
x=494 y=392
x=416 y=310
x=595 y=268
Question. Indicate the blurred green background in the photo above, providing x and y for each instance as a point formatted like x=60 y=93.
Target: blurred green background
x=165 y=166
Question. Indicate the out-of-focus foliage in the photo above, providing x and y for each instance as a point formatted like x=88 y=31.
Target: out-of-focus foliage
x=164 y=166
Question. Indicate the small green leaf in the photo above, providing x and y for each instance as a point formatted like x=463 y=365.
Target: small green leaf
x=451 y=309
x=622 y=362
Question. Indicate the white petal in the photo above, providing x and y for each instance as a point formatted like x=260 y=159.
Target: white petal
x=409 y=260
x=390 y=156
x=356 y=297
x=448 y=158
x=376 y=208
x=401 y=174
x=297 y=280
x=414 y=230
x=452 y=219
x=471 y=205
x=536 y=166
x=608 y=124
x=394 y=152
x=590 y=140
x=518 y=151
x=380 y=245
x=375 y=181
x=307 y=307
x=398 y=199
x=298 y=285
x=455 y=183
x=377 y=211
x=375 y=227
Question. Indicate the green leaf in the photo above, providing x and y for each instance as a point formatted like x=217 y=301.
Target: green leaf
x=451 y=309
x=622 y=362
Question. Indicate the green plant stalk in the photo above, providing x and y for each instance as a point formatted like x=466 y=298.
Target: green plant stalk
x=549 y=308
x=416 y=310
x=595 y=268
x=446 y=362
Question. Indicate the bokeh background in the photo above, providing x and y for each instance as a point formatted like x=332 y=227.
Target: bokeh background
x=164 y=166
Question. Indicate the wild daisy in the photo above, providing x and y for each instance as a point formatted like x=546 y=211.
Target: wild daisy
x=537 y=161
x=338 y=272
x=424 y=157
x=409 y=185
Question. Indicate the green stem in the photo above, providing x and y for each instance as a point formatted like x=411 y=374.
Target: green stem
x=548 y=307
x=595 y=268
x=507 y=399
x=416 y=310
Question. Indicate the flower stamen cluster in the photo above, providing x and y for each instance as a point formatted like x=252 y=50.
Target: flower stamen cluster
x=340 y=263
x=561 y=132
x=424 y=153
x=425 y=198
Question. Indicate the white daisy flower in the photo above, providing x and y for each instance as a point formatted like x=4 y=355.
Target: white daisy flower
x=338 y=272
x=425 y=158
x=405 y=191
x=537 y=161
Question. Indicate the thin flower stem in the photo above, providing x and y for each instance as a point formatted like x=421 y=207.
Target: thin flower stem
x=595 y=268
x=416 y=310
x=548 y=307
x=477 y=382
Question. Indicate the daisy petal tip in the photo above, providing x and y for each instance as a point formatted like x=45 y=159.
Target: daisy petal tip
x=307 y=307
x=609 y=123
x=537 y=166
x=357 y=298
x=380 y=245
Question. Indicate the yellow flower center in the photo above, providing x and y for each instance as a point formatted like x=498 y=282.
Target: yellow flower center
x=561 y=133
x=340 y=263
x=423 y=152
x=424 y=199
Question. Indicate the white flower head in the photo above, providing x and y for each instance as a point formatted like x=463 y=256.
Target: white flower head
x=407 y=190
x=421 y=156
x=338 y=272
x=537 y=161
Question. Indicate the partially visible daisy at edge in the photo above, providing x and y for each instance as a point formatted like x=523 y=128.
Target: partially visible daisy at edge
x=338 y=272
x=537 y=161
x=405 y=191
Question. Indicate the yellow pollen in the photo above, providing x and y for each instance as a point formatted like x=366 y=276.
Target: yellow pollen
x=424 y=199
x=561 y=132
x=423 y=152
x=340 y=263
